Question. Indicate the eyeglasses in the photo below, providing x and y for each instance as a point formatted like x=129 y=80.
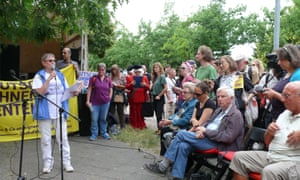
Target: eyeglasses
x=64 y=52
x=198 y=94
x=101 y=69
x=287 y=96
x=50 y=60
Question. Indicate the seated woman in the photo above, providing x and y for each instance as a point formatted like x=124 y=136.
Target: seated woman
x=205 y=106
x=181 y=119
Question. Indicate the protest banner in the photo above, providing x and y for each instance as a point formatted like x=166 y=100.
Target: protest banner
x=13 y=94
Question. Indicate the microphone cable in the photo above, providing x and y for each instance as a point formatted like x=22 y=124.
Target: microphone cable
x=147 y=155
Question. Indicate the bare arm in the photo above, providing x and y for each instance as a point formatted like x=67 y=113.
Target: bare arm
x=271 y=130
x=88 y=96
x=43 y=89
x=206 y=114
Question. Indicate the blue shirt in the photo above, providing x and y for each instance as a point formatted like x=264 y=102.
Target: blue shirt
x=296 y=75
x=214 y=125
x=183 y=116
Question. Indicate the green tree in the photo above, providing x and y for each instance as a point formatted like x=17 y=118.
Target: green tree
x=174 y=40
x=290 y=31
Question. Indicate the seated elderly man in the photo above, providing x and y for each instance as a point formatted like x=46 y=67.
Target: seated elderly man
x=282 y=160
x=181 y=119
x=225 y=131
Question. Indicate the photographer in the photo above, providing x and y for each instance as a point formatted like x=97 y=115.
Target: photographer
x=267 y=80
x=288 y=59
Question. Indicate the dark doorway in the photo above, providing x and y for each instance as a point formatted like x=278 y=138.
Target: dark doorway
x=9 y=60
x=75 y=54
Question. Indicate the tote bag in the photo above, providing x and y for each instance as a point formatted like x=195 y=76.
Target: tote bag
x=148 y=108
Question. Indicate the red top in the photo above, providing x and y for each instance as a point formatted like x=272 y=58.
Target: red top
x=138 y=92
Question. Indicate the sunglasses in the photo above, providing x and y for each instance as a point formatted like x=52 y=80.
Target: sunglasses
x=198 y=94
x=50 y=60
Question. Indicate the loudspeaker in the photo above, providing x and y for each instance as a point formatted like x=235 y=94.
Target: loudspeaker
x=9 y=59
x=84 y=116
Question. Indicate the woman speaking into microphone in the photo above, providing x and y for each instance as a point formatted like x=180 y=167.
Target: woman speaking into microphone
x=51 y=84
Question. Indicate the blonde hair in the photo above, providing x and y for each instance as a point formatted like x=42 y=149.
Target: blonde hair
x=259 y=65
x=154 y=74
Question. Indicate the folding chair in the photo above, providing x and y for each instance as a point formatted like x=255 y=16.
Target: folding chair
x=202 y=158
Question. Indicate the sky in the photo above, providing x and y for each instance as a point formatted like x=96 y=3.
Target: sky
x=152 y=10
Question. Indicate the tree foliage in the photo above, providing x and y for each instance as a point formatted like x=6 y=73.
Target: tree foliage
x=174 y=40
x=40 y=20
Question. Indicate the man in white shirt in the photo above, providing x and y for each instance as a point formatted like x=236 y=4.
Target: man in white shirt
x=171 y=96
x=282 y=160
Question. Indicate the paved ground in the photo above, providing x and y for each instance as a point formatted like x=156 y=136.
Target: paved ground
x=97 y=160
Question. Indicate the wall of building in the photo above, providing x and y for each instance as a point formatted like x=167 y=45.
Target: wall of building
x=31 y=53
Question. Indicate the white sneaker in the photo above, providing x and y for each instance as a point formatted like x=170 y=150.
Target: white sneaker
x=68 y=168
x=47 y=169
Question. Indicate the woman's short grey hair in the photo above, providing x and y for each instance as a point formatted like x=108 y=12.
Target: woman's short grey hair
x=46 y=56
x=291 y=53
x=189 y=85
x=229 y=91
x=102 y=65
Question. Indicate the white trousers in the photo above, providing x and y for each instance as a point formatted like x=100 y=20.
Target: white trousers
x=45 y=130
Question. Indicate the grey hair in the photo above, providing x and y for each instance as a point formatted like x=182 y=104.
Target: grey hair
x=293 y=55
x=229 y=91
x=102 y=65
x=46 y=56
x=190 y=85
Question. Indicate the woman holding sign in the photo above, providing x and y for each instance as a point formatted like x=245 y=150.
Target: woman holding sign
x=230 y=77
x=138 y=85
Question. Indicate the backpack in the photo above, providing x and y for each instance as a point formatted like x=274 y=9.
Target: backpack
x=94 y=78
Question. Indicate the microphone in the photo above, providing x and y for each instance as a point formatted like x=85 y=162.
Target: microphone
x=35 y=93
x=52 y=69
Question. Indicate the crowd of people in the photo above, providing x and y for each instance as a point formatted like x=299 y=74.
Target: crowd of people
x=199 y=105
